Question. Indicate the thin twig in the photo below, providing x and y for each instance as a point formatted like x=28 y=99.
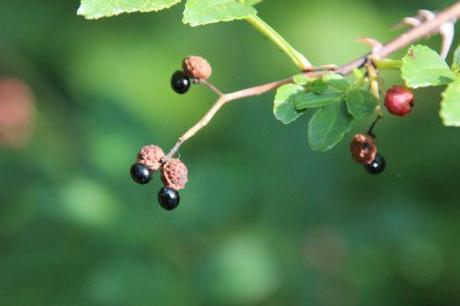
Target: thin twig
x=425 y=29
x=213 y=88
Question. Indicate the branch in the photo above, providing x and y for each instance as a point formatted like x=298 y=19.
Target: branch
x=426 y=29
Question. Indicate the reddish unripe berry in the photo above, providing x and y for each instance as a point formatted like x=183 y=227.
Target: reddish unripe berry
x=363 y=149
x=196 y=67
x=399 y=100
x=150 y=156
x=174 y=174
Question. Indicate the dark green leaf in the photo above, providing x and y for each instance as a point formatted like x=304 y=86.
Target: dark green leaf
x=328 y=126
x=306 y=100
x=317 y=86
x=361 y=103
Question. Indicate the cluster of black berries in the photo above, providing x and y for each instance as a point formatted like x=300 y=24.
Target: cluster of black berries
x=174 y=174
x=195 y=69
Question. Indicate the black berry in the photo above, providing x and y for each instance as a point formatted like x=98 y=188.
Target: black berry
x=180 y=82
x=140 y=173
x=377 y=166
x=168 y=198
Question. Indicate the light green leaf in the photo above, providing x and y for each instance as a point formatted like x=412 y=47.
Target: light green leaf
x=423 y=67
x=337 y=81
x=93 y=9
x=251 y=2
x=361 y=103
x=456 y=61
x=359 y=74
x=450 y=104
x=328 y=126
x=200 y=12
x=302 y=79
x=306 y=100
x=284 y=108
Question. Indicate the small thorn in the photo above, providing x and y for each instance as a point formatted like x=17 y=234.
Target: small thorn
x=447 y=33
x=373 y=43
x=412 y=21
x=426 y=15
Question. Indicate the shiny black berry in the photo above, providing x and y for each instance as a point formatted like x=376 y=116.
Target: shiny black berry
x=140 y=173
x=377 y=166
x=180 y=82
x=168 y=198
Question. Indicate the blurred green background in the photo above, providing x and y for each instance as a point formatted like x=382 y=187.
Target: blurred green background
x=263 y=221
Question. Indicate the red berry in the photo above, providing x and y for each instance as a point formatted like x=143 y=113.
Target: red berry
x=399 y=100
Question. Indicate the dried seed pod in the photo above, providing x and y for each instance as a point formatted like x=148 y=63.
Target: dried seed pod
x=151 y=156
x=363 y=149
x=174 y=174
x=196 y=67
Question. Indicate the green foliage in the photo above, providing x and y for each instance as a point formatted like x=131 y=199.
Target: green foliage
x=284 y=105
x=361 y=103
x=302 y=79
x=328 y=126
x=93 y=9
x=314 y=100
x=336 y=102
x=423 y=67
x=450 y=105
x=339 y=102
x=456 y=61
x=201 y=12
x=197 y=12
x=336 y=81
x=251 y=2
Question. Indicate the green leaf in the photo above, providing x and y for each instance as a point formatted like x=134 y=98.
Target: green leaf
x=201 y=12
x=456 y=61
x=450 y=104
x=251 y=2
x=302 y=79
x=317 y=86
x=423 y=67
x=284 y=108
x=328 y=126
x=359 y=74
x=306 y=100
x=361 y=103
x=337 y=81
x=93 y=9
